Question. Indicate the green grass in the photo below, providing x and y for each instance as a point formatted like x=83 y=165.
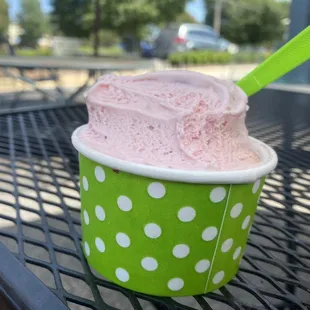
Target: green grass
x=28 y=52
x=103 y=51
x=113 y=51
x=33 y=52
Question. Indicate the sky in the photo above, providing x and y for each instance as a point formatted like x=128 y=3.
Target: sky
x=195 y=8
x=14 y=6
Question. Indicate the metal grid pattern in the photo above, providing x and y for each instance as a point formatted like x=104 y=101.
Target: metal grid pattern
x=40 y=221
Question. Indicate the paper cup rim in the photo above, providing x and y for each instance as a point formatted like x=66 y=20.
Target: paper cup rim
x=268 y=155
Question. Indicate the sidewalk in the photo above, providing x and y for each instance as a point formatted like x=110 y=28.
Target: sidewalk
x=72 y=79
x=229 y=71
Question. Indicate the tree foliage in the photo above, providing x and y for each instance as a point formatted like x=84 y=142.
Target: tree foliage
x=4 y=17
x=71 y=17
x=75 y=17
x=107 y=38
x=32 y=21
x=168 y=10
x=185 y=17
x=250 y=21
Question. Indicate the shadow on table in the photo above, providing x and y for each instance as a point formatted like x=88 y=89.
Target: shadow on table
x=263 y=266
x=30 y=101
x=40 y=205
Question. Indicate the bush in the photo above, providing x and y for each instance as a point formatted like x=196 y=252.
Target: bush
x=223 y=58
x=34 y=52
x=199 y=57
x=174 y=59
x=214 y=57
x=247 y=57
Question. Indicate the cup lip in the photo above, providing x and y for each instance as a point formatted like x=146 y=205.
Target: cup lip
x=269 y=162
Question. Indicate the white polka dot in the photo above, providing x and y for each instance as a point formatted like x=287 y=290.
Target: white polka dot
x=124 y=203
x=85 y=184
x=122 y=240
x=181 y=250
x=175 y=284
x=246 y=222
x=100 y=245
x=122 y=274
x=218 y=194
x=86 y=248
x=99 y=174
x=100 y=213
x=237 y=253
x=227 y=244
x=186 y=214
x=209 y=233
x=256 y=186
x=149 y=263
x=156 y=190
x=86 y=217
x=152 y=230
x=202 y=266
x=219 y=276
x=236 y=210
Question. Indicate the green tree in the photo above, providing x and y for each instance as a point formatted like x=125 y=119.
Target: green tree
x=129 y=18
x=285 y=7
x=168 y=10
x=32 y=21
x=185 y=17
x=4 y=18
x=80 y=18
x=72 y=17
x=48 y=27
x=107 y=38
x=249 y=21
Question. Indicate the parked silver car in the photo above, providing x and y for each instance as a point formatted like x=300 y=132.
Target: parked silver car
x=185 y=37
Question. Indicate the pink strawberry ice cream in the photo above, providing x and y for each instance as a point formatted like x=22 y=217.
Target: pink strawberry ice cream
x=171 y=119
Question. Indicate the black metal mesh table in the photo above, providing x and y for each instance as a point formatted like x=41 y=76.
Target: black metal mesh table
x=40 y=222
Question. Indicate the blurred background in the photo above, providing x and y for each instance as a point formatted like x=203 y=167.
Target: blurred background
x=224 y=38
x=52 y=50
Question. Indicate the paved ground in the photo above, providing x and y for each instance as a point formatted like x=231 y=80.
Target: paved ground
x=16 y=94
x=69 y=78
x=11 y=89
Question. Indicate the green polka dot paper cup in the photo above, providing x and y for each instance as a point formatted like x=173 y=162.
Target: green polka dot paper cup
x=166 y=232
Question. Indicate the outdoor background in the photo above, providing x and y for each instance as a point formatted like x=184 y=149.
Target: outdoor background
x=127 y=30
x=260 y=23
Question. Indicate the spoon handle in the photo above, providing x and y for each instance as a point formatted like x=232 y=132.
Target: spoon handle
x=290 y=56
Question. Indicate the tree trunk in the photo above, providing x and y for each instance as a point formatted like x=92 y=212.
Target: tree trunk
x=97 y=28
x=217 y=22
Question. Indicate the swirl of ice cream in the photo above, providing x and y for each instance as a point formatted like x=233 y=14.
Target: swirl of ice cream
x=171 y=119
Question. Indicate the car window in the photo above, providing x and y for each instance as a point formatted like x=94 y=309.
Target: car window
x=202 y=33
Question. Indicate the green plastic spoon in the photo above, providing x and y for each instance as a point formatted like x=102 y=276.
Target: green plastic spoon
x=290 y=56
